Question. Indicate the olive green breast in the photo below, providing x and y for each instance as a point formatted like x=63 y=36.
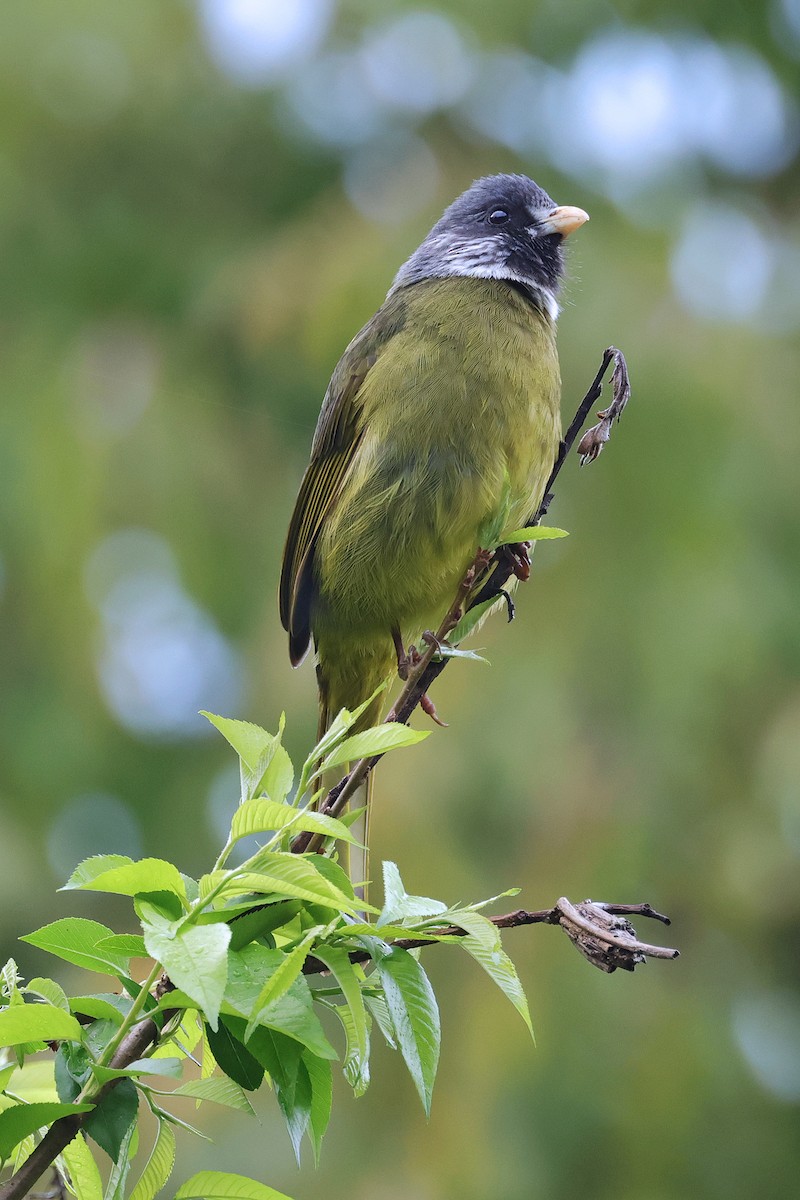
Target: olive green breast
x=459 y=428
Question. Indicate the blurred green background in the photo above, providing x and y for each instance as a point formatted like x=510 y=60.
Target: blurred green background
x=200 y=203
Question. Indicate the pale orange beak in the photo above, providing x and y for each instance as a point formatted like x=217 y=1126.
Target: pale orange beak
x=564 y=220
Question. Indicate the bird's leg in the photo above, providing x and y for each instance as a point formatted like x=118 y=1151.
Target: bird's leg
x=404 y=661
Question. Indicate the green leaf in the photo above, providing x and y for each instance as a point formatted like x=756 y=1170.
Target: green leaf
x=397 y=902
x=378 y=740
x=279 y=982
x=356 y=1063
x=233 y=1057
x=415 y=1017
x=262 y=919
x=20 y=1120
x=113 y=1117
x=222 y=1185
x=319 y=1075
x=50 y=991
x=36 y=1022
x=103 y=1007
x=83 y=1170
x=71 y=1070
x=76 y=940
x=130 y=945
x=295 y=1104
x=344 y=720
x=267 y=816
x=292 y=1014
x=292 y=876
x=11 y=978
x=159 y=1165
x=195 y=958
x=118 y=1177
x=257 y=750
x=219 y=1089
x=98 y=864
x=471 y=619
x=5 y=1075
x=132 y=879
x=278 y=777
x=532 y=533
x=142 y=1066
x=484 y=944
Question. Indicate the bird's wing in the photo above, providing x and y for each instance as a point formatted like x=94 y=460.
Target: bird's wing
x=338 y=433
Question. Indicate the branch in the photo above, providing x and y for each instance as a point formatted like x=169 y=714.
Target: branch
x=600 y=931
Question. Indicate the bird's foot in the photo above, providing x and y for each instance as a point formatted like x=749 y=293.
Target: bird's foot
x=430 y=639
x=519 y=554
x=429 y=708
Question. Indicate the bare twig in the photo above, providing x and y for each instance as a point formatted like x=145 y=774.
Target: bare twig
x=601 y=932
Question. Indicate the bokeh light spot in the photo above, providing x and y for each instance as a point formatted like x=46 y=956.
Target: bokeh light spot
x=92 y=824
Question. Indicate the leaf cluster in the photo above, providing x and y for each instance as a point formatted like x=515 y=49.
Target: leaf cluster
x=243 y=964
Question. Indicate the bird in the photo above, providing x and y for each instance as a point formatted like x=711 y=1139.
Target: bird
x=438 y=430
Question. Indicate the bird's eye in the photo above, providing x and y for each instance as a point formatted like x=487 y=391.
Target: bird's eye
x=498 y=217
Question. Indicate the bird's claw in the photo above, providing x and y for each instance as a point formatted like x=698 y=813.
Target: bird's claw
x=429 y=708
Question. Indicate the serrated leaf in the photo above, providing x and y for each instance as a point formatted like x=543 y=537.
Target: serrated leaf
x=278 y=777
x=470 y=620
x=233 y=1057
x=279 y=982
x=378 y=740
x=142 y=1066
x=219 y=1089
x=345 y=719
x=97 y=864
x=292 y=876
x=132 y=879
x=131 y=945
x=20 y=1120
x=267 y=816
x=102 y=1008
x=159 y=1165
x=320 y=1078
x=110 y=1123
x=415 y=1017
x=293 y=1014
x=484 y=944
x=10 y=977
x=118 y=1178
x=256 y=749
x=83 y=1170
x=398 y=903
x=356 y=1063
x=295 y=1104
x=222 y=1185
x=50 y=991
x=262 y=919
x=76 y=940
x=532 y=533
x=36 y=1022
x=195 y=958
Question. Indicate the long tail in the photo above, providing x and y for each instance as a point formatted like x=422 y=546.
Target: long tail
x=345 y=681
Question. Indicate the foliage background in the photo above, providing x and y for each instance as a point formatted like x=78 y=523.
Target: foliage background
x=199 y=205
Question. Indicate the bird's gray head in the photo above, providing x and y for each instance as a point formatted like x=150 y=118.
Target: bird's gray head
x=503 y=227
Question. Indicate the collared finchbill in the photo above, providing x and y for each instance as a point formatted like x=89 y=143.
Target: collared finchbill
x=564 y=220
